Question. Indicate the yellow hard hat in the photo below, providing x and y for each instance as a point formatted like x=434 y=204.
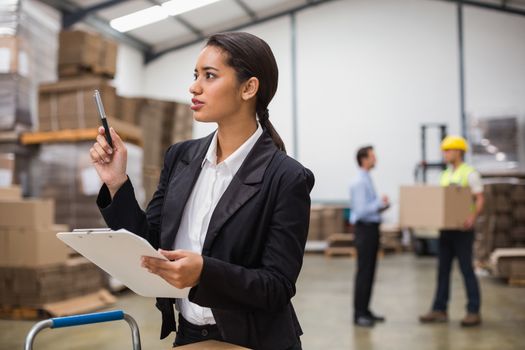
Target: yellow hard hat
x=454 y=142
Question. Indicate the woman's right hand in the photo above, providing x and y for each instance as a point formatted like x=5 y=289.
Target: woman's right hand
x=110 y=163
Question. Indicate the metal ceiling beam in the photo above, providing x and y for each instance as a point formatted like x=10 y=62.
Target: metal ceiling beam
x=71 y=18
x=154 y=55
x=501 y=8
x=180 y=20
x=65 y=6
x=246 y=9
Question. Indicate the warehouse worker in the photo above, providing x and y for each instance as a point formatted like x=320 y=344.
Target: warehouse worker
x=231 y=210
x=458 y=243
x=366 y=210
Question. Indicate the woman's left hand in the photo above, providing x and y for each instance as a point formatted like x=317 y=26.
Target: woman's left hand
x=182 y=270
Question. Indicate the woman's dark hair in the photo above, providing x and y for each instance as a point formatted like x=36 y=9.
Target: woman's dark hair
x=363 y=153
x=251 y=56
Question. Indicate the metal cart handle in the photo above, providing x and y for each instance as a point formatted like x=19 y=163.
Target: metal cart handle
x=77 y=320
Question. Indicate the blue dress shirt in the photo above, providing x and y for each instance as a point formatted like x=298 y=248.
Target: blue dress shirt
x=364 y=204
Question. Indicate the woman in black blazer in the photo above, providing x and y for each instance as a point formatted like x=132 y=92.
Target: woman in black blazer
x=231 y=210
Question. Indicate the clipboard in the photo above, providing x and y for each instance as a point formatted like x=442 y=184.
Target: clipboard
x=118 y=253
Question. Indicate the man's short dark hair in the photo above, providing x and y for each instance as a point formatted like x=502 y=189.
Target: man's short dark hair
x=362 y=153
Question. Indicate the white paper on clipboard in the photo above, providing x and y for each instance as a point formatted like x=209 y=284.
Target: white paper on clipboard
x=118 y=253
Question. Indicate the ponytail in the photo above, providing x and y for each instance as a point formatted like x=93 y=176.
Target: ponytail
x=264 y=119
x=251 y=56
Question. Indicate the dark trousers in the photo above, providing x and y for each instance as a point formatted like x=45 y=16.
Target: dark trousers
x=456 y=244
x=188 y=333
x=367 y=244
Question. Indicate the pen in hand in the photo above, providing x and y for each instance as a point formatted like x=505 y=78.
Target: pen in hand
x=102 y=115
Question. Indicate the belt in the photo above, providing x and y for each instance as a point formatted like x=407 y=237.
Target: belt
x=365 y=223
x=204 y=330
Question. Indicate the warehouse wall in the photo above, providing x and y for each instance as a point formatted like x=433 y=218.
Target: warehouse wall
x=129 y=79
x=377 y=70
x=372 y=72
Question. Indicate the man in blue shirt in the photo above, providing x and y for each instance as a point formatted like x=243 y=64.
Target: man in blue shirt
x=366 y=208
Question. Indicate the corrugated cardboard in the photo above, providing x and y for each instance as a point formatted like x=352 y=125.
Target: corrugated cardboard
x=518 y=194
x=7 y=169
x=78 y=47
x=16 y=97
x=503 y=259
x=13 y=55
x=314 y=229
x=150 y=180
x=434 y=207
x=32 y=247
x=27 y=213
x=68 y=104
x=129 y=109
x=10 y=192
x=183 y=128
x=82 y=52
x=519 y=214
x=332 y=219
x=79 y=305
x=35 y=286
x=107 y=58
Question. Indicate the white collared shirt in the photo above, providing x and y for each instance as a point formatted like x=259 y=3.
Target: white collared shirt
x=213 y=180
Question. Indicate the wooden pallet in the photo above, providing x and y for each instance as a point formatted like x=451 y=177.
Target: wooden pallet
x=22 y=313
x=128 y=132
x=341 y=238
x=516 y=281
x=340 y=251
x=340 y=244
x=392 y=247
x=73 y=306
x=348 y=251
x=9 y=136
x=75 y=70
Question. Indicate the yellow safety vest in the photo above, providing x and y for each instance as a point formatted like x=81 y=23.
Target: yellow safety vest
x=457 y=177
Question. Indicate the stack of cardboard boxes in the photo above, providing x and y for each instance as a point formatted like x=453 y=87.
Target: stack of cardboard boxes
x=86 y=62
x=86 y=53
x=324 y=221
x=163 y=123
x=68 y=104
x=502 y=224
x=28 y=40
x=37 y=286
x=391 y=238
x=64 y=172
x=28 y=54
x=509 y=263
x=35 y=268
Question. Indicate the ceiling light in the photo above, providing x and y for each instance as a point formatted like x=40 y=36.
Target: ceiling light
x=156 y=13
x=139 y=19
x=176 y=7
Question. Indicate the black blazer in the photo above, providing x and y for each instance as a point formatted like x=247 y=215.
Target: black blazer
x=253 y=251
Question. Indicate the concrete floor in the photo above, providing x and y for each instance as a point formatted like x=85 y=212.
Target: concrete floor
x=404 y=288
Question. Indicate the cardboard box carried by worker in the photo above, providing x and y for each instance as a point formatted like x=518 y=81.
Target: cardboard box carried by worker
x=434 y=207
